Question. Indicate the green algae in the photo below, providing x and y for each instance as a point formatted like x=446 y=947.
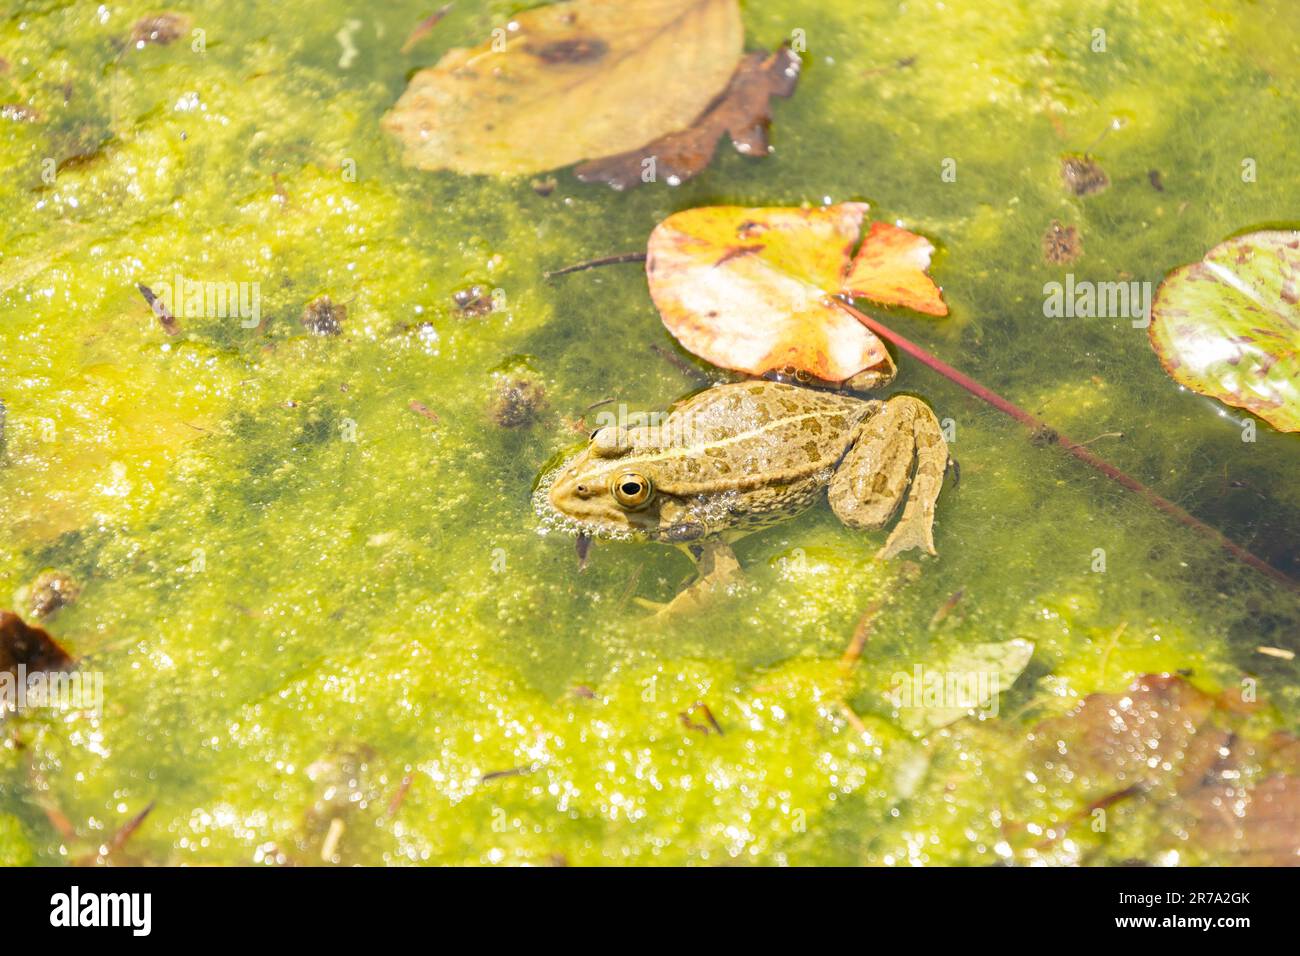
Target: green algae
x=311 y=602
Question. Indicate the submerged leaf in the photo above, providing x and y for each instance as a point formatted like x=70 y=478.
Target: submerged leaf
x=568 y=82
x=967 y=682
x=742 y=111
x=1184 y=755
x=1229 y=325
x=753 y=289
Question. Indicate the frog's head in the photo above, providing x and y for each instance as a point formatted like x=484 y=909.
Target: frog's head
x=607 y=490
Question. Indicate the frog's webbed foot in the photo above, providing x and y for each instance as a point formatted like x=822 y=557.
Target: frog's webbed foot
x=718 y=573
x=872 y=480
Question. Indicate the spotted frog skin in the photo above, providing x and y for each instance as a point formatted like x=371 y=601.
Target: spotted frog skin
x=735 y=458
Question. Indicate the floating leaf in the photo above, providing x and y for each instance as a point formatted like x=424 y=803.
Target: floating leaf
x=568 y=82
x=967 y=682
x=890 y=268
x=753 y=289
x=742 y=111
x=1229 y=325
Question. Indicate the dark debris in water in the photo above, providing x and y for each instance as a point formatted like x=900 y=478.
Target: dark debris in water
x=473 y=302
x=1061 y=244
x=50 y=591
x=32 y=647
x=517 y=402
x=323 y=317
x=710 y=726
x=1082 y=176
x=160 y=29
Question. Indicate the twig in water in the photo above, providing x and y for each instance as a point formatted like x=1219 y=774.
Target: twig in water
x=395 y=804
x=128 y=829
x=946 y=608
x=420 y=408
x=512 y=772
x=596 y=263
x=1098 y=438
x=1049 y=436
x=1110 y=646
x=631 y=585
x=860 y=635
x=425 y=27
x=704 y=709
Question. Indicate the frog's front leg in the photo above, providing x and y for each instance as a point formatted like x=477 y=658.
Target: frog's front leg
x=871 y=481
x=717 y=572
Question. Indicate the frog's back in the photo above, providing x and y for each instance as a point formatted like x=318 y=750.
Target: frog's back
x=751 y=433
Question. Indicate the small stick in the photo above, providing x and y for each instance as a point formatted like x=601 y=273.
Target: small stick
x=425 y=27
x=512 y=772
x=946 y=608
x=703 y=708
x=851 y=716
x=595 y=263
x=1110 y=646
x=1099 y=438
x=630 y=586
x=128 y=828
x=420 y=408
x=395 y=804
x=860 y=635
x=1050 y=435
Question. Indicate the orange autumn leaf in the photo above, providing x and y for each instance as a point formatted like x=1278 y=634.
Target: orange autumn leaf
x=754 y=289
x=890 y=269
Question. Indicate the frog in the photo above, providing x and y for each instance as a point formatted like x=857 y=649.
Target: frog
x=738 y=457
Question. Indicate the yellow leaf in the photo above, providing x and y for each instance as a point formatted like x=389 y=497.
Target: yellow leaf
x=890 y=269
x=568 y=82
x=751 y=289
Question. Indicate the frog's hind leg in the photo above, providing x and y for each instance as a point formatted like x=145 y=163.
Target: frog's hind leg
x=872 y=480
x=718 y=572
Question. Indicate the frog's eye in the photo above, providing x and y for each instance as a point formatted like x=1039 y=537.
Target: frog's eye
x=632 y=490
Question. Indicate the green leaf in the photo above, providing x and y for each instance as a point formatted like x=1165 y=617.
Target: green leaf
x=1229 y=325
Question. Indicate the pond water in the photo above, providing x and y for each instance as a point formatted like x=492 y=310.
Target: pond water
x=309 y=570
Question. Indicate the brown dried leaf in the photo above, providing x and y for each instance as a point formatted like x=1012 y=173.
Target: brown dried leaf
x=1165 y=742
x=742 y=111
x=567 y=82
